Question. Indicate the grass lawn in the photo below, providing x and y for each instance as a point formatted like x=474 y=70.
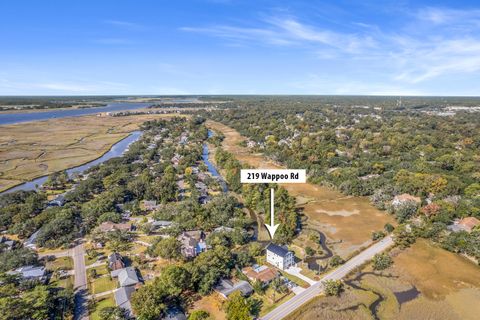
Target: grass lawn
x=101 y=253
x=101 y=284
x=135 y=248
x=104 y=302
x=101 y=270
x=64 y=282
x=212 y=304
x=295 y=279
x=147 y=239
x=63 y=263
x=309 y=273
x=267 y=299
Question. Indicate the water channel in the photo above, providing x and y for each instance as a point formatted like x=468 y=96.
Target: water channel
x=19 y=117
x=115 y=151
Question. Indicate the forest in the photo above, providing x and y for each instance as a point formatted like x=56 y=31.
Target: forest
x=381 y=149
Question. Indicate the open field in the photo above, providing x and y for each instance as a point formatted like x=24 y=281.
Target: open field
x=348 y=222
x=61 y=263
x=425 y=282
x=34 y=149
x=213 y=305
x=101 y=284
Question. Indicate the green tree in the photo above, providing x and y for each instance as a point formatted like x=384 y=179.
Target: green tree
x=113 y=313
x=237 y=307
x=174 y=280
x=254 y=249
x=335 y=261
x=199 y=315
x=403 y=236
x=168 y=248
x=382 y=261
x=388 y=227
x=277 y=286
x=333 y=287
x=376 y=235
x=149 y=301
x=309 y=251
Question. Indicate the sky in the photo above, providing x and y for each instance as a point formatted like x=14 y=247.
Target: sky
x=104 y=47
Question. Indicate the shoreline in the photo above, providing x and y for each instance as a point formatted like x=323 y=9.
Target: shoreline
x=62 y=143
x=4 y=191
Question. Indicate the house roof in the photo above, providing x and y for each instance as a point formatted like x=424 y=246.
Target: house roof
x=261 y=273
x=31 y=271
x=114 y=257
x=122 y=297
x=32 y=240
x=175 y=314
x=278 y=250
x=469 y=222
x=161 y=223
x=407 y=197
x=127 y=277
x=110 y=226
x=115 y=261
x=227 y=287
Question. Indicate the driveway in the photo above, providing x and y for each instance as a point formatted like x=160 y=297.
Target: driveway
x=295 y=271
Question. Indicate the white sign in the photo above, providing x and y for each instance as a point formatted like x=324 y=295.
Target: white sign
x=273 y=176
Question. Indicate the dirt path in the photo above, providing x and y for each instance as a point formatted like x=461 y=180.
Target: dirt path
x=347 y=221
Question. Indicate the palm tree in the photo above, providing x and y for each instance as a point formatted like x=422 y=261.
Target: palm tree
x=277 y=286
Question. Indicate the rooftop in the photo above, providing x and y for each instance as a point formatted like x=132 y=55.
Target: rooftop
x=122 y=297
x=278 y=250
x=127 y=277
x=261 y=273
x=227 y=287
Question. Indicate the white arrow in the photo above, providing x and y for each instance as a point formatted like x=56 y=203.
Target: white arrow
x=272 y=227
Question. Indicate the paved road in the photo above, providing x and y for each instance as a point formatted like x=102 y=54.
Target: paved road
x=297 y=301
x=81 y=291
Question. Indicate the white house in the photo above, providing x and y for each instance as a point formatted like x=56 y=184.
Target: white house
x=280 y=257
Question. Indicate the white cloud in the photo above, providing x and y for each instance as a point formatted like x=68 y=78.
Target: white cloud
x=443 y=42
x=287 y=31
x=442 y=16
x=124 y=24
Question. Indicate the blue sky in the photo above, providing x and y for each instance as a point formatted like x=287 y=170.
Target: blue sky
x=239 y=47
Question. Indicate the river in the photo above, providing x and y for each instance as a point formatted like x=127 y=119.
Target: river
x=211 y=167
x=115 y=151
x=11 y=118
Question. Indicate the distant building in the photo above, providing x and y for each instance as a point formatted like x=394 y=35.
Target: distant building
x=226 y=287
x=31 y=273
x=150 y=205
x=58 y=201
x=175 y=314
x=193 y=243
x=115 y=261
x=6 y=243
x=32 y=241
x=279 y=257
x=466 y=224
x=263 y=274
x=223 y=229
x=160 y=224
x=404 y=198
x=109 y=226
